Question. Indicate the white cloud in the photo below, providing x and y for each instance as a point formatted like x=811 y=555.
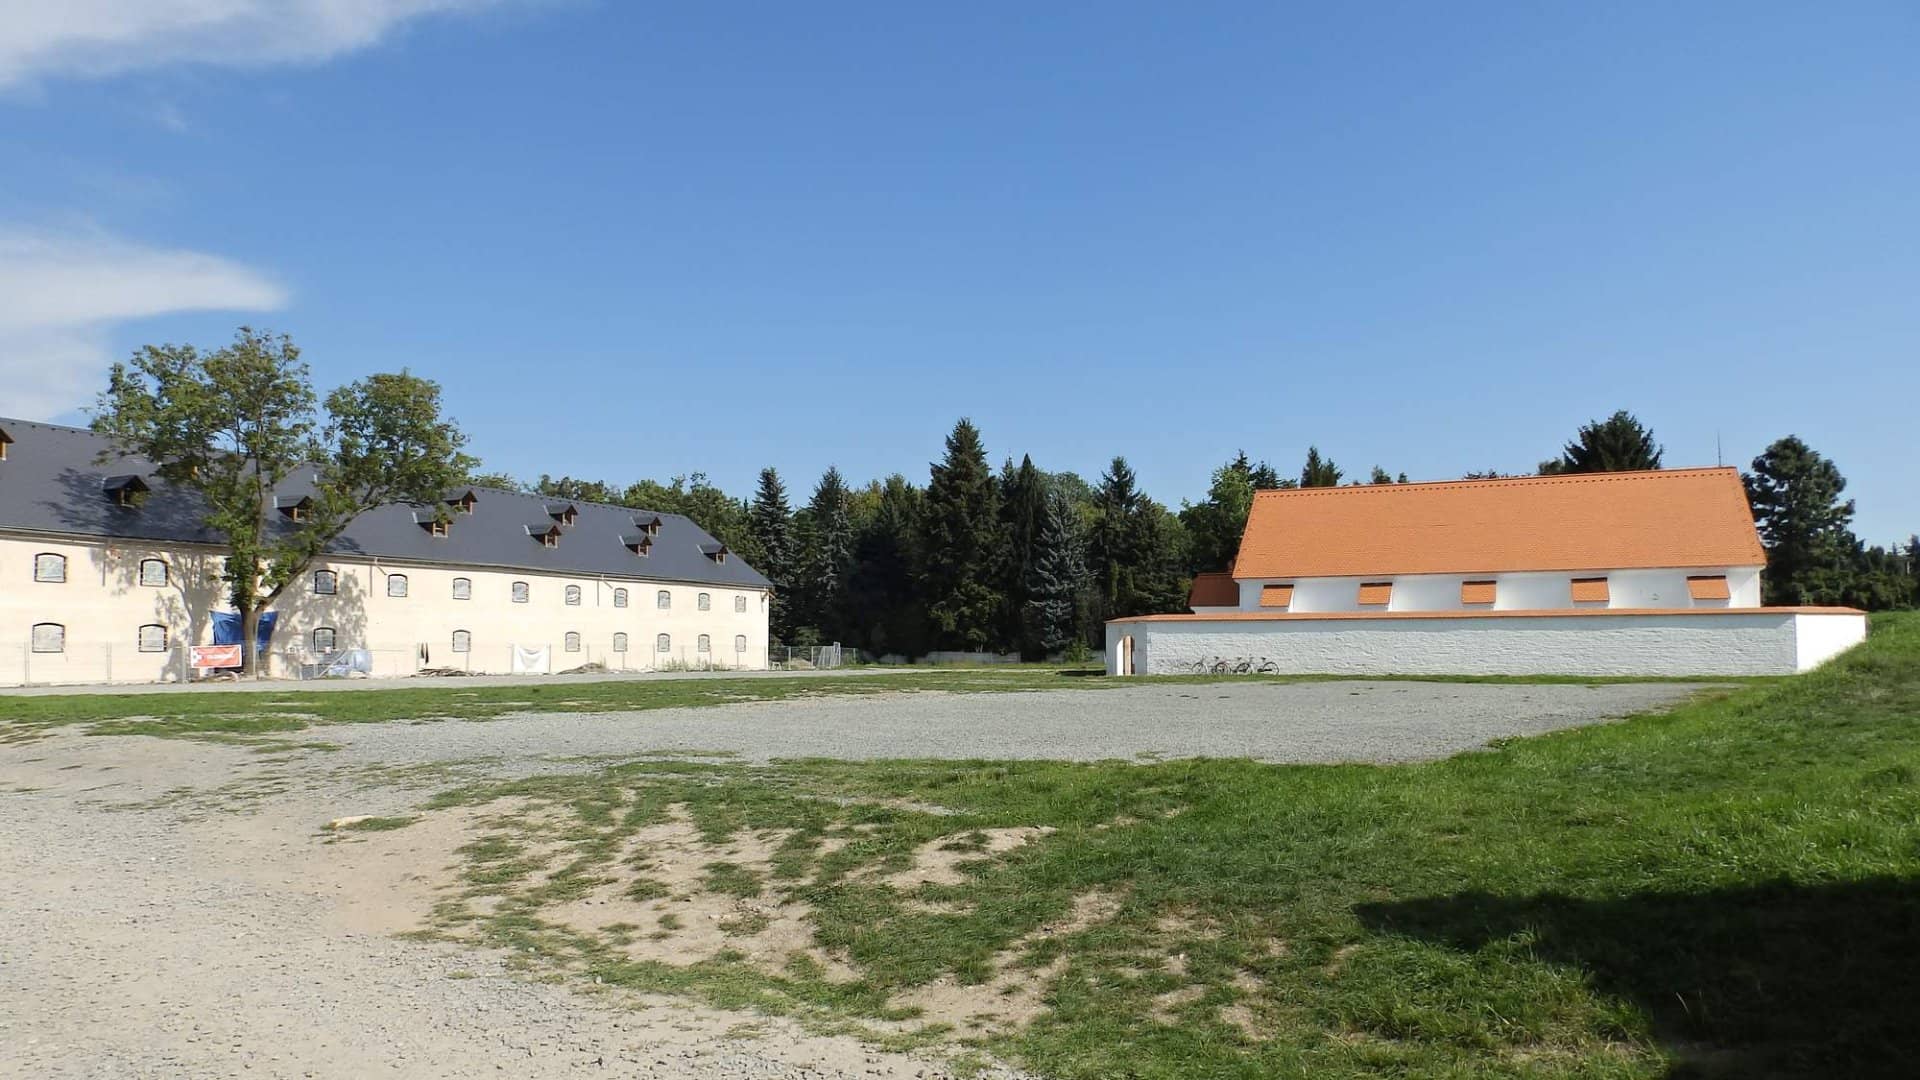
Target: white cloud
x=62 y=293
x=107 y=37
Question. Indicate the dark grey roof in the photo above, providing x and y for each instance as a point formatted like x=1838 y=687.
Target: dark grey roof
x=50 y=483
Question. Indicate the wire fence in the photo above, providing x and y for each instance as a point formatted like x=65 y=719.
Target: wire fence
x=803 y=657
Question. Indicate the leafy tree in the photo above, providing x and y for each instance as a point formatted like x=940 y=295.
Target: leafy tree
x=501 y=480
x=1620 y=443
x=233 y=424
x=1803 y=522
x=961 y=543
x=1214 y=525
x=886 y=610
x=1319 y=471
x=770 y=523
x=571 y=490
x=1056 y=577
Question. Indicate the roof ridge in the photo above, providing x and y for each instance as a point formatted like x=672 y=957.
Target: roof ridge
x=5 y=420
x=1506 y=481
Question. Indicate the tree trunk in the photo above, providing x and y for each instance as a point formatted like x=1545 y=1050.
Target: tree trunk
x=250 y=666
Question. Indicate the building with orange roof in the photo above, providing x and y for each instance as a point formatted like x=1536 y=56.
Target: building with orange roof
x=1653 y=572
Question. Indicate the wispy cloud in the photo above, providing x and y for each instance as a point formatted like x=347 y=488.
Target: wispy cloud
x=107 y=37
x=61 y=294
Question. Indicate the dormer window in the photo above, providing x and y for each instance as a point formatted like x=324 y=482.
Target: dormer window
x=717 y=552
x=564 y=513
x=125 y=491
x=463 y=502
x=433 y=523
x=638 y=543
x=647 y=523
x=548 y=535
x=6 y=440
x=295 y=508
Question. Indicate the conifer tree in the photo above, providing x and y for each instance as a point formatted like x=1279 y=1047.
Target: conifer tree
x=1023 y=511
x=1136 y=549
x=1319 y=471
x=961 y=544
x=1803 y=524
x=1620 y=443
x=1055 y=577
x=770 y=522
x=887 y=611
x=829 y=556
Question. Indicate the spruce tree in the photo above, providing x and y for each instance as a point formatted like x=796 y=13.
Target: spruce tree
x=1319 y=471
x=961 y=544
x=1803 y=524
x=1136 y=551
x=1620 y=443
x=887 y=612
x=1023 y=511
x=1055 y=577
x=770 y=522
x=829 y=556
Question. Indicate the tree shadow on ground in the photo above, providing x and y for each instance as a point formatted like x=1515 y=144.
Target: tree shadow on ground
x=1772 y=980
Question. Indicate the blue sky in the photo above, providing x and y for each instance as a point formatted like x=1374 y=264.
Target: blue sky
x=639 y=240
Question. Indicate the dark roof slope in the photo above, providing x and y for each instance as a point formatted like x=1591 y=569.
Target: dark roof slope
x=50 y=483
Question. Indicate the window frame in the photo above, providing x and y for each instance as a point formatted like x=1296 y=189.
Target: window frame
x=140 y=638
x=620 y=641
x=703 y=644
x=58 y=560
x=333 y=640
x=520 y=592
x=1278 y=595
x=663 y=600
x=571 y=642
x=703 y=602
x=333 y=583
x=1597 y=590
x=60 y=644
x=572 y=596
x=619 y=598
x=740 y=605
x=404 y=586
x=739 y=644
x=462 y=641
x=663 y=645
x=457 y=583
x=166 y=573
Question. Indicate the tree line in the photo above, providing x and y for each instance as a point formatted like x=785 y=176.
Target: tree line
x=1026 y=560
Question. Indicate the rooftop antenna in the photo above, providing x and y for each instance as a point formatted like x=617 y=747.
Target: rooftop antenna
x=1717 y=458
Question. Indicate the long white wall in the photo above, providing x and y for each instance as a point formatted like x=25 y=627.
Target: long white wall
x=1761 y=642
x=1529 y=591
x=103 y=603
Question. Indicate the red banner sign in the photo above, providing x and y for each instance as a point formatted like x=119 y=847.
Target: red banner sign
x=204 y=657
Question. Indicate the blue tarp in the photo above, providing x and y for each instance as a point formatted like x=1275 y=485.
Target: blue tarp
x=226 y=629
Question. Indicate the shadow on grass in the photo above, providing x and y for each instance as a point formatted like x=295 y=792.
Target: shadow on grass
x=1776 y=979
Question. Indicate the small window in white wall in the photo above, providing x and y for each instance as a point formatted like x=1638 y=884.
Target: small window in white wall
x=663 y=600
x=619 y=643
x=462 y=588
x=325 y=583
x=739 y=643
x=153 y=573
x=49 y=637
x=520 y=592
x=396 y=584
x=704 y=602
x=50 y=568
x=323 y=638
x=619 y=598
x=573 y=641
x=573 y=596
x=739 y=604
x=663 y=643
x=462 y=641
x=153 y=638
x=704 y=644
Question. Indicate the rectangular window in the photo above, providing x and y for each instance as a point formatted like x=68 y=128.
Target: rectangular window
x=1276 y=596
x=153 y=638
x=325 y=583
x=739 y=643
x=396 y=584
x=49 y=637
x=519 y=592
x=1708 y=587
x=619 y=598
x=740 y=604
x=572 y=641
x=1590 y=590
x=1477 y=592
x=153 y=573
x=462 y=641
x=663 y=644
x=323 y=639
x=1376 y=593
x=462 y=588
x=619 y=643
x=50 y=568
x=663 y=600
x=704 y=602
x=573 y=596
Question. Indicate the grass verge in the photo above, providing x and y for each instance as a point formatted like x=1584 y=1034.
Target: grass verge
x=1728 y=889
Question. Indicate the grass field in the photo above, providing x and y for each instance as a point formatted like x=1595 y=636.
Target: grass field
x=1730 y=889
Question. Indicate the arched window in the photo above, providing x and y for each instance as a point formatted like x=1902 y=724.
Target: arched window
x=520 y=592
x=325 y=583
x=153 y=638
x=663 y=643
x=619 y=643
x=739 y=643
x=704 y=602
x=50 y=568
x=573 y=596
x=396 y=584
x=462 y=588
x=153 y=572
x=323 y=639
x=739 y=604
x=704 y=644
x=49 y=637
x=663 y=600
x=573 y=641
x=462 y=641
x=619 y=598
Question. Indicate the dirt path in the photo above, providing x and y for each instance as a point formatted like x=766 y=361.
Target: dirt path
x=175 y=909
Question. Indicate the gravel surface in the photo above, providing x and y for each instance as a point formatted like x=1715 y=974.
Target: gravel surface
x=1282 y=722
x=173 y=908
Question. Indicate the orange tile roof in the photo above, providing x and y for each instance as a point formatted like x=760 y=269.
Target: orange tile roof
x=1376 y=592
x=1214 y=590
x=1590 y=590
x=1709 y=587
x=1477 y=592
x=1528 y=613
x=1276 y=596
x=1589 y=521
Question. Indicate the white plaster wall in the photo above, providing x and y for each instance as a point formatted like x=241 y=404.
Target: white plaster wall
x=1761 y=643
x=1529 y=591
x=1823 y=637
x=102 y=605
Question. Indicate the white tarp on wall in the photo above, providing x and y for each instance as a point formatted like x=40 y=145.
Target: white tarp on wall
x=530 y=660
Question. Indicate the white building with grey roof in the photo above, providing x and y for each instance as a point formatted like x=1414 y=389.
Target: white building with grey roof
x=109 y=574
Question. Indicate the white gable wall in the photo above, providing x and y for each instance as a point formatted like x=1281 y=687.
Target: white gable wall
x=1665 y=588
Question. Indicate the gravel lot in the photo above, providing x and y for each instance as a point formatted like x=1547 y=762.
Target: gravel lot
x=172 y=908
